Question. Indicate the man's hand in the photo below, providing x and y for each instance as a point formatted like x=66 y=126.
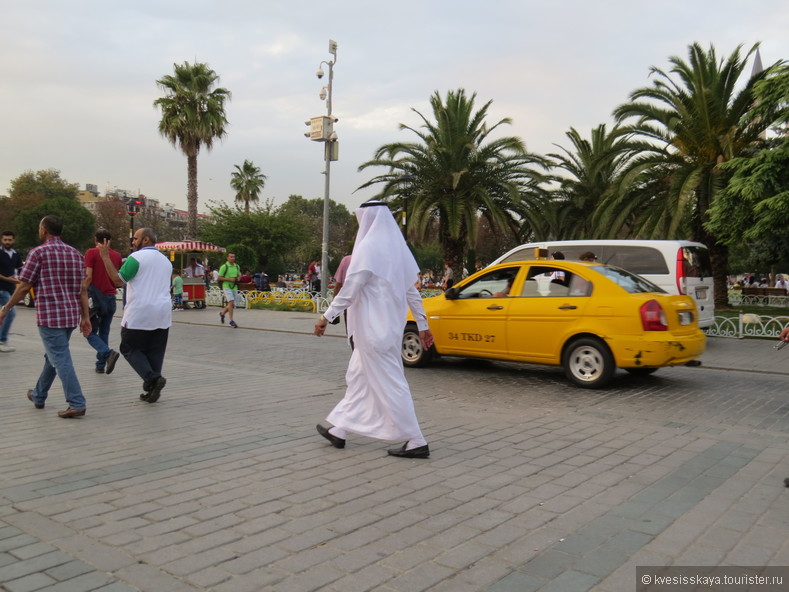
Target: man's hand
x=785 y=335
x=85 y=327
x=426 y=337
x=320 y=326
x=104 y=249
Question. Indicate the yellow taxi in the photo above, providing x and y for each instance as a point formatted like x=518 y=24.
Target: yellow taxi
x=588 y=318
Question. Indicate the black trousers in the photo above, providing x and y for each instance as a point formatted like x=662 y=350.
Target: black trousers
x=144 y=350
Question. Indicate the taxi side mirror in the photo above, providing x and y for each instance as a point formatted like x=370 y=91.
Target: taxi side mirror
x=451 y=294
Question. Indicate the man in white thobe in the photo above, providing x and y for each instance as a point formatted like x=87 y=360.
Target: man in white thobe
x=377 y=292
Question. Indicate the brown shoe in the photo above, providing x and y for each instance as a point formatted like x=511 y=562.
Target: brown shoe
x=71 y=413
x=30 y=398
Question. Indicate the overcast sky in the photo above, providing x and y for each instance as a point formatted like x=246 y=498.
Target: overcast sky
x=78 y=78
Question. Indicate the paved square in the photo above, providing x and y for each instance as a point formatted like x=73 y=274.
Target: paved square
x=533 y=484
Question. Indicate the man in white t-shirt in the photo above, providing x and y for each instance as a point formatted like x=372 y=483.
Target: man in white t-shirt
x=194 y=269
x=147 y=315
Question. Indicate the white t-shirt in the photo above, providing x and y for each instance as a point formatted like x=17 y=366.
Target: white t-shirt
x=147 y=274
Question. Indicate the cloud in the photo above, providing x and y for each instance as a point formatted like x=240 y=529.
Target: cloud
x=79 y=80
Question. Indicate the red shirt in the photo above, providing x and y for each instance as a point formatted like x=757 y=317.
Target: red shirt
x=342 y=269
x=56 y=271
x=100 y=277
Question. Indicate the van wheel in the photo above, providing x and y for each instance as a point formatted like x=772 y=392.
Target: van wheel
x=414 y=355
x=588 y=363
x=638 y=371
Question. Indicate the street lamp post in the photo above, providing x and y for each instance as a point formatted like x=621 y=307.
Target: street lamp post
x=134 y=208
x=322 y=130
x=406 y=181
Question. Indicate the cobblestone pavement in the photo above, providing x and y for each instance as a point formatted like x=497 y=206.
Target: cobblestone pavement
x=224 y=485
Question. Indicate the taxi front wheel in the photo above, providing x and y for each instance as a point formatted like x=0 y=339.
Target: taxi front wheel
x=588 y=363
x=414 y=355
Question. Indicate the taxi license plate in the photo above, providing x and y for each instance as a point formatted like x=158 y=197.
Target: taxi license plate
x=685 y=317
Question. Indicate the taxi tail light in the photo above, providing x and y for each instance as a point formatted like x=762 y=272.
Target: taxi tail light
x=652 y=316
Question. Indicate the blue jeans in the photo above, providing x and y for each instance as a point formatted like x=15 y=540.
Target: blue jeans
x=9 y=317
x=99 y=337
x=57 y=362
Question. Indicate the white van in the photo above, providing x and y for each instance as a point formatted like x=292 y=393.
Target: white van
x=676 y=266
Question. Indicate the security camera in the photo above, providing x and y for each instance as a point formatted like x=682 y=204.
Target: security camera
x=319 y=73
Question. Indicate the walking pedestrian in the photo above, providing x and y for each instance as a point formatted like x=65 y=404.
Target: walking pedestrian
x=56 y=270
x=229 y=274
x=10 y=263
x=101 y=290
x=377 y=292
x=147 y=315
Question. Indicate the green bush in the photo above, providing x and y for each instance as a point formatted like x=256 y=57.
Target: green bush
x=303 y=306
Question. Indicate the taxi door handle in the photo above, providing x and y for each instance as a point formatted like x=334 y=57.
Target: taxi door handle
x=568 y=307
x=495 y=307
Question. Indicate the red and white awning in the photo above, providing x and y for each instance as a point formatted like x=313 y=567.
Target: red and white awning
x=189 y=246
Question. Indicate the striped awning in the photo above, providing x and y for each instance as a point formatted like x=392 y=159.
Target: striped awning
x=189 y=246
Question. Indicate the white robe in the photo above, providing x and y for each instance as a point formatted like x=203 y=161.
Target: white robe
x=378 y=401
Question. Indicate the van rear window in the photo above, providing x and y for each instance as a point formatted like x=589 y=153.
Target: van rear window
x=526 y=254
x=640 y=260
x=697 y=262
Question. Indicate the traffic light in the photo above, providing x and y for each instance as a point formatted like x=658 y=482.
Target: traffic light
x=135 y=206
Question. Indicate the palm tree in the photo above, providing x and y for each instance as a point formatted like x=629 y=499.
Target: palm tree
x=247 y=182
x=455 y=173
x=592 y=174
x=690 y=121
x=193 y=115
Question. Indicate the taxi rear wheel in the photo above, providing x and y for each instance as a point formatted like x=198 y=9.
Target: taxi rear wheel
x=414 y=354
x=588 y=363
x=28 y=300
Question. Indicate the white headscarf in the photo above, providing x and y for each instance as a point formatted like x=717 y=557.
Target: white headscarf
x=381 y=249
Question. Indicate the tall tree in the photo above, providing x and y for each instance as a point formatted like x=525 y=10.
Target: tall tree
x=309 y=213
x=78 y=223
x=591 y=173
x=30 y=189
x=46 y=183
x=193 y=116
x=695 y=117
x=755 y=204
x=247 y=181
x=271 y=234
x=456 y=172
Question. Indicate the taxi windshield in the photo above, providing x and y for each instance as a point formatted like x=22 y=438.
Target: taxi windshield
x=630 y=282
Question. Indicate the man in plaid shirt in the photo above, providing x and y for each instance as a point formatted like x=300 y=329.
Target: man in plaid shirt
x=57 y=271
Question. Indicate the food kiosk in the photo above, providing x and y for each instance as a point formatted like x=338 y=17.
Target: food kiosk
x=180 y=253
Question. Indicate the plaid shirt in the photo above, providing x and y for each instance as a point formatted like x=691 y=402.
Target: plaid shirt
x=56 y=271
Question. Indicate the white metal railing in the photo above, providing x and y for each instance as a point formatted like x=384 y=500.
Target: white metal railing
x=747 y=325
x=738 y=299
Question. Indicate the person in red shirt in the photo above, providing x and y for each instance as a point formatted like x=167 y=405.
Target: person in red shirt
x=102 y=292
